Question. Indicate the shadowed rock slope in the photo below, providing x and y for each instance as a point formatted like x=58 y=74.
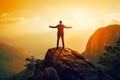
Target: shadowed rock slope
x=67 y=64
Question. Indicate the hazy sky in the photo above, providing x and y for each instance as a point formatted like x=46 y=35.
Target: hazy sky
x=34 y=16
x=20 y=17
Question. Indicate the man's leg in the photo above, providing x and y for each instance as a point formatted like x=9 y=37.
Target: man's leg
x=62 y=37
x=58 y=38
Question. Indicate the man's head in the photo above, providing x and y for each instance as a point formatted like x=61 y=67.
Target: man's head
x=60 y=22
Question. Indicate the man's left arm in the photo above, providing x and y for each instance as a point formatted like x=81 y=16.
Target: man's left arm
x=67 y=27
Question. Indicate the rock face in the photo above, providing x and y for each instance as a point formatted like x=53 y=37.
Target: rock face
x=51 y=74
x=105 y=36
x=67 y=64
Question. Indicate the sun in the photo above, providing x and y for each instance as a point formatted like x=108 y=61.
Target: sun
x=80 y=20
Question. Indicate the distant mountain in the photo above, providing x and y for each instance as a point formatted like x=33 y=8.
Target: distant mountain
x=12 y=60
x=37 y=44
x=63 y=64
x=102 y=37
x=32 y=43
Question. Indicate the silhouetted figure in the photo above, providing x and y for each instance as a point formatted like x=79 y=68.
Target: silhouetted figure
x=60 y=32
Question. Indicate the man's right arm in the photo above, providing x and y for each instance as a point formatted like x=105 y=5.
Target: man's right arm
x=53 y=26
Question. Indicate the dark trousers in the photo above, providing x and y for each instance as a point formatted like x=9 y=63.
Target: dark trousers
x=62 y=38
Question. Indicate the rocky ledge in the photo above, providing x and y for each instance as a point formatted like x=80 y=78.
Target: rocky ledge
x=67 y=64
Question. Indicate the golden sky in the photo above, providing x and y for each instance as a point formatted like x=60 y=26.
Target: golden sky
x=37 y=15
x=20 y=17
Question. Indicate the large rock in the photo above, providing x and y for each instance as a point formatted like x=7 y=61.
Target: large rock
x=50 y=74
x=105 y=36
x=71 y=65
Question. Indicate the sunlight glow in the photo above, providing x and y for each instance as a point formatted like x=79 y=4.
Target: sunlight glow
x=80 y=20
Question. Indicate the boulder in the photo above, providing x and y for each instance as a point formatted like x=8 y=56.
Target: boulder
x=71 y=65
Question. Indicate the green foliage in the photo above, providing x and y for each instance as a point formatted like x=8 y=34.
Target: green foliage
x=110 y=60
x=28 y=72
x=30 y=63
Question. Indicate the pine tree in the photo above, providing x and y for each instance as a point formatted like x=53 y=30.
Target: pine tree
x=110 y=60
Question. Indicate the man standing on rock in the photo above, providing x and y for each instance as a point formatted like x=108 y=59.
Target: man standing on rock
x=60 y=32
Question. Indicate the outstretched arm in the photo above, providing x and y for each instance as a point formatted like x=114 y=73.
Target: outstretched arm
x=53 y=26
x=68 y=27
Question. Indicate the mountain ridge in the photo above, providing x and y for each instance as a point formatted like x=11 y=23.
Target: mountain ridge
x=102 y=37
x=11 y=60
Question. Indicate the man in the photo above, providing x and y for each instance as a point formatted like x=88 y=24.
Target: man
x=60 y=32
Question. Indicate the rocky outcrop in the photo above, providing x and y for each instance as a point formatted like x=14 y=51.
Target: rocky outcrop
x=105 y=36
x=67 y=64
